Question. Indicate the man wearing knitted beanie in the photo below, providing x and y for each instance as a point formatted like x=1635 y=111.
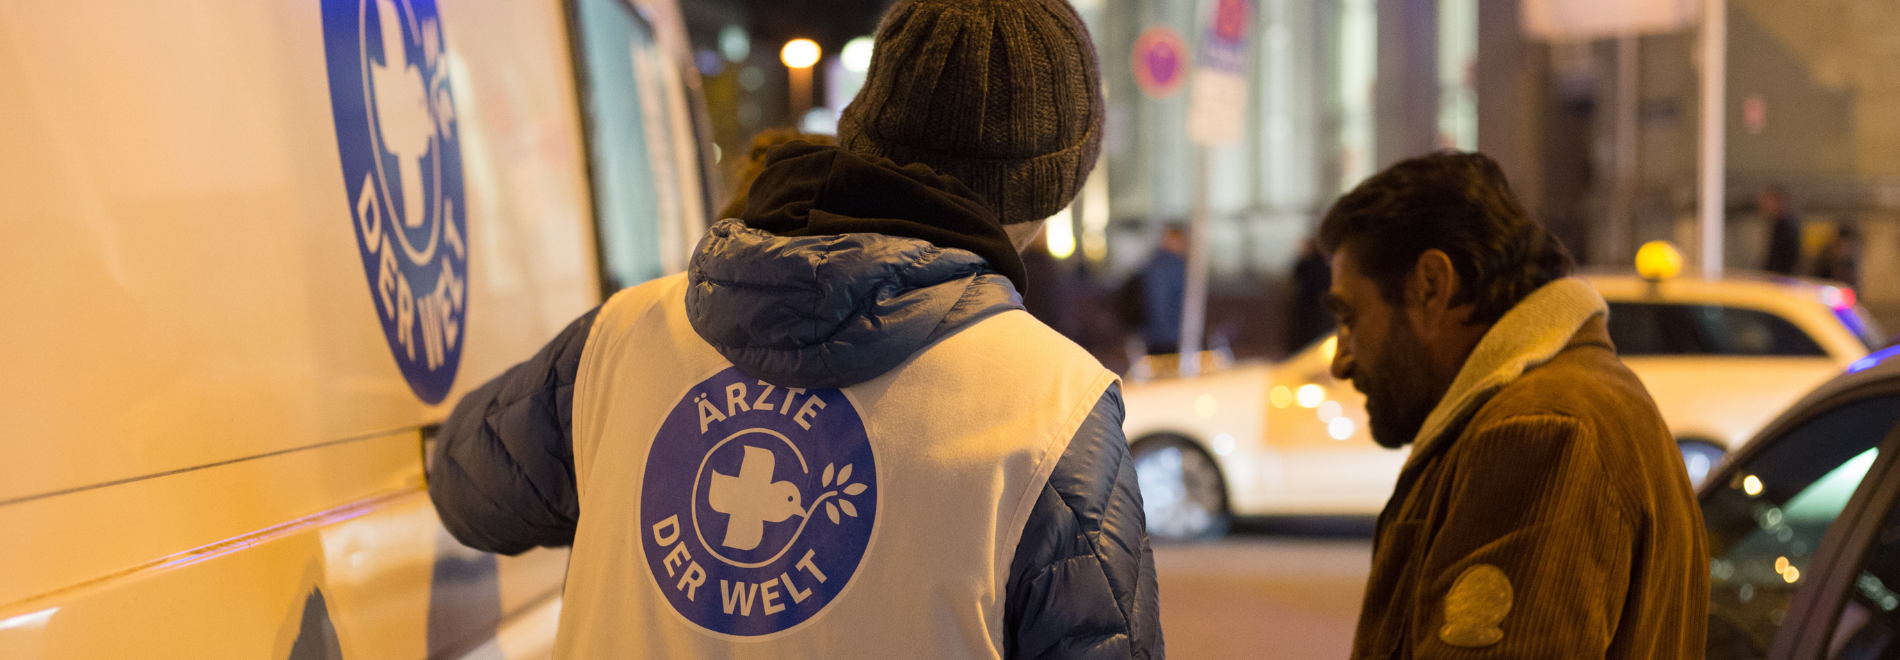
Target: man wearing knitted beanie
x=838 y=435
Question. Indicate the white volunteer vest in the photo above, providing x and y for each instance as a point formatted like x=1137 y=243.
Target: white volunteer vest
x=722 y=517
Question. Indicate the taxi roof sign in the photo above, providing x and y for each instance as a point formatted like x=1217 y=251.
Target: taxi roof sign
x=1658 y=260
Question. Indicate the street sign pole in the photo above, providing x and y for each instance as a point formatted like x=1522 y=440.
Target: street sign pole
x=1714 y=132
x=1194 y=302
x=1217 y=107
x=1629 y=92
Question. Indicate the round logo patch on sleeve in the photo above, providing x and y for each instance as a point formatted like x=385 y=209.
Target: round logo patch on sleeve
x=759 y=503
x=1478 y=601
x=396 y=135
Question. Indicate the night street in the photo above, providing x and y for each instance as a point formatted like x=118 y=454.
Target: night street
x=905 y=329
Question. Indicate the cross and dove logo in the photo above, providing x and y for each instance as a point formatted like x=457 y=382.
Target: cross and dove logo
x=755 y=495
x=758 y=503
x=397 y=134
x=751 y=498
x=405 y=116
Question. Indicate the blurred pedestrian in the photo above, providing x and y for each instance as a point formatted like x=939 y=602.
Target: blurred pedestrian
x=1784 y=231
x=747 y=166
x=1163 y=290
x=838 y=435
x=1543 y=511
x=1839 y=260
x=1312 y=277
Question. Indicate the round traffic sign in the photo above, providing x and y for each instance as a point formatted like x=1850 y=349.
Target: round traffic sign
x=1161 y=61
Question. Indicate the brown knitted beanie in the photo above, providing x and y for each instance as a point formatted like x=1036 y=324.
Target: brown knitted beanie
x=1004 y=95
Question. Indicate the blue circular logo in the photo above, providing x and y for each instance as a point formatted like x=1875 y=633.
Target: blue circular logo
x=402 y=174
x=758 y=505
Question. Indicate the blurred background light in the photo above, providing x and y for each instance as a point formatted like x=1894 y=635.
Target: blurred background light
x=1329 y=411
x=1281 y=397
x=800 y=53
x=1310 y=395
x=1060 y=233
x=751 y=79
x=1224 y=444
x=819 y=120
x=734 y=43
x=708 y=62
x=856 y=55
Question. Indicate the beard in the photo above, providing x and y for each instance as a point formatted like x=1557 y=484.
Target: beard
x=1401 y=392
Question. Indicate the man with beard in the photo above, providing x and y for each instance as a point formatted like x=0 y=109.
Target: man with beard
x=1544 y=511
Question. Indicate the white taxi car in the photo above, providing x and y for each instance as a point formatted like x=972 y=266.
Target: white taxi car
x=1720 y=357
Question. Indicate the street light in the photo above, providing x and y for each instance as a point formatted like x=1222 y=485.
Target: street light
x=799 y=55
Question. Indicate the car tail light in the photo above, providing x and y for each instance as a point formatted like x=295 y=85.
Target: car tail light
x=1839 y=298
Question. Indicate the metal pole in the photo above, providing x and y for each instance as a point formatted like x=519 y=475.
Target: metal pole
x=1628 y=96
x=1194 y=295
x=1714 y=132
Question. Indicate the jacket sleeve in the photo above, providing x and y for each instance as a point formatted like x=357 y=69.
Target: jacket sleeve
x=502 y=472
x=1082 y=583
x=1534 y=553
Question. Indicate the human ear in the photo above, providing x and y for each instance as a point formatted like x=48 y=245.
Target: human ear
x=1433 y=283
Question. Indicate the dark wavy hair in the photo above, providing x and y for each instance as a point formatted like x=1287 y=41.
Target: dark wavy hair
x=1455 y=202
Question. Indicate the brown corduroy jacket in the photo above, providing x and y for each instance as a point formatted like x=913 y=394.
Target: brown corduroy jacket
x=1556 y=522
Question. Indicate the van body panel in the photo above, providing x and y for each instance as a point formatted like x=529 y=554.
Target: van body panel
x=210 y=448
x=372 y=579
x=190 y=271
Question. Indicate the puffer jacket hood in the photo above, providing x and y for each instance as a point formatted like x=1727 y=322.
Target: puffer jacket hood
x=832 y=311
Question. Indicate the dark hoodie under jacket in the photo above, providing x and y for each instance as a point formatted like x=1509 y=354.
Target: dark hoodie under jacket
x=1082 y=582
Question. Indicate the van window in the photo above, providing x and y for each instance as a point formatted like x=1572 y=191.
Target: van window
x=1678 y=329
x=644 y=200
x=1766 y=524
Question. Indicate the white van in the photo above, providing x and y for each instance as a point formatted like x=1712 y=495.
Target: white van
x=252 y=252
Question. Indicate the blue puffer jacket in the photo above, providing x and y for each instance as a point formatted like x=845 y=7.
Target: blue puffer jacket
x=827 y=311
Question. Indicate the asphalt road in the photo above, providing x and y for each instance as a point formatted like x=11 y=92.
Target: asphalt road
x=1262 y=595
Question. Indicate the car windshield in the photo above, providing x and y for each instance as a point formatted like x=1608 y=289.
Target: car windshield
x=1767 y=522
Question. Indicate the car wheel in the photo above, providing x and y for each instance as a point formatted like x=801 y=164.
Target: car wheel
x=1182 y=491
x=1701 y=457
